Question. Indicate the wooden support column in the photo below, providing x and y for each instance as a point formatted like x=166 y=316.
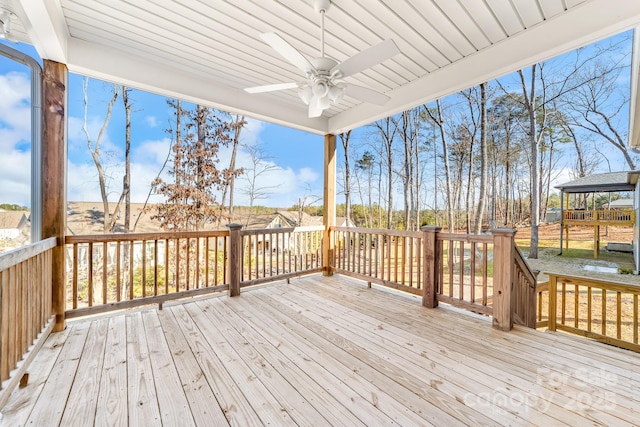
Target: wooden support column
x=432 y=257
x=235 y=259
x=503 y=260
x=329 y=202
x=54 y=189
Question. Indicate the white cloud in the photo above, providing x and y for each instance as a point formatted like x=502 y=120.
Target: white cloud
x=15 y=109
x=15 y=178
x=15 y=137
x=151 y=121
x=152 y=151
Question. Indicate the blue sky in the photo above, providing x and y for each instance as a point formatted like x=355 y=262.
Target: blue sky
x=295 y=158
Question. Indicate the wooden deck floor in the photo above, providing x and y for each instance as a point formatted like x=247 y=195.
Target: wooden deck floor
x=321 y=351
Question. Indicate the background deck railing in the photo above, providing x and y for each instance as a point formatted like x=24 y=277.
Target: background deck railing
x=106 y=272
x=598 y=309
x=599 y=217
x=280 y=253
x=25 y=308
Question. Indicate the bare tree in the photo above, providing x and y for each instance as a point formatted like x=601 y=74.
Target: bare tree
x=95 y=148
x=261 y=165
x=436 y=117
x=483 y=159
x=598 y=104
x=239 y=122
x=126 y=187
x=345 y=138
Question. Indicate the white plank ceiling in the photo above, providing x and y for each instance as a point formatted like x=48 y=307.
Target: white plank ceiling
x=207 y=51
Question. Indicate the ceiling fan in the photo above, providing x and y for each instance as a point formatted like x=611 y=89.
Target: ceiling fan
x=323 y=86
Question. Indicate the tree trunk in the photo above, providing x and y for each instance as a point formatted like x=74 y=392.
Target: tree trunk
x=483 y=158
x=126 y=186
x=535 y=154
x=344 y=137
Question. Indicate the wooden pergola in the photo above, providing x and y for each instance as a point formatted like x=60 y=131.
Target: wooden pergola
x=598 y=183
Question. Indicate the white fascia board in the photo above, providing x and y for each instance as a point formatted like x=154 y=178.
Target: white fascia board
x=634 y=99
x=118 y=67
x=47 y=28
x=586 y=23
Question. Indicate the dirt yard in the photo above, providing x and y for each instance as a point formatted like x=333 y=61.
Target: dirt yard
x=578 y=261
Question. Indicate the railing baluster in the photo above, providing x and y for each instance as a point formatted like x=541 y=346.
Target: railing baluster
x=105 y=264
x=155 y=267
x=75 y=276
x=576 y=304
x=118 y=271
x=144 y=268
x=131 y=264
x=90 y=275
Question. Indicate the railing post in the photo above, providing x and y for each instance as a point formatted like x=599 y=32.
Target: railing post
x=553 y=296
x=503 y=260
x=235 y=259
x=329 y=203
x=431 y=260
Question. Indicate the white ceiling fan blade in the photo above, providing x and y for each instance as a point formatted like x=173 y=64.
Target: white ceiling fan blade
x=365 y=94
x=315 y=110
x=271 y=88
x=287 y=51
x=367 y=58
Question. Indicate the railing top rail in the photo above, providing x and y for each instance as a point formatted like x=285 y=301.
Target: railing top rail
x=467 y=238
x=93 y=238
x=382 y=232
x=524 y=266
x=596 y=283
x=16 y=256
x=253 y=232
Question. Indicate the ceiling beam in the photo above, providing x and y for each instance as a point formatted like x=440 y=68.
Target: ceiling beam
x=115 y=66
x=46 y=27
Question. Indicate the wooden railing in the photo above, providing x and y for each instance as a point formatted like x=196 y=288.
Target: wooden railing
x=106 y=272
x=118 y=271
x=542 y=304
x=462 y=270
x=599 y=217
x=598 y=309
x=280 y=253
x=524 y=291
x=25 y=309
x=466 y=271
x=386 y=257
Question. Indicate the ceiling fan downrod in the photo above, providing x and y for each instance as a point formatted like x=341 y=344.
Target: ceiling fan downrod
x=321 y=7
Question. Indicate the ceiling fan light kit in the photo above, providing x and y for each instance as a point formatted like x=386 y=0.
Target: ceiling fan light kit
x=323 y=86
x=6 y=16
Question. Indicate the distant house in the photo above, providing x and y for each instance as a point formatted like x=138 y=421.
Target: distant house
x=12 y=223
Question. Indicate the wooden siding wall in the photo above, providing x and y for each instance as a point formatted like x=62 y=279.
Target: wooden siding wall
x=25 y=307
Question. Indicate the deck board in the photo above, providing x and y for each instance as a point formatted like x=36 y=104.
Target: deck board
x=320 y=351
